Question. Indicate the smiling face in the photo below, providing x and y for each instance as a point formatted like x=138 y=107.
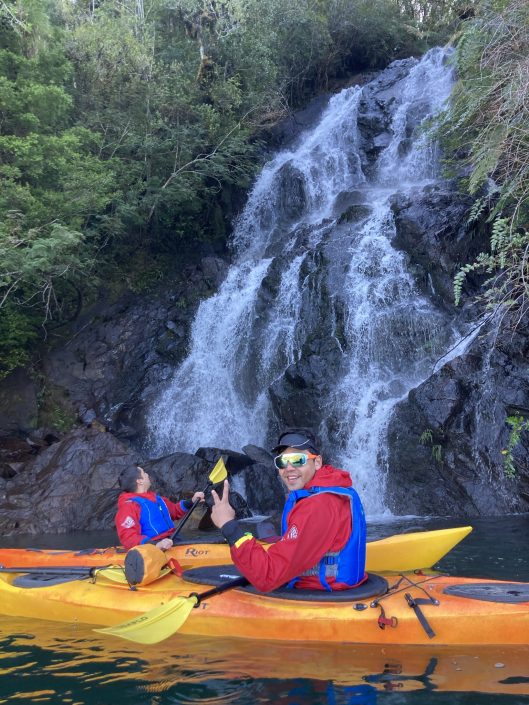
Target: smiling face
x=297 y=478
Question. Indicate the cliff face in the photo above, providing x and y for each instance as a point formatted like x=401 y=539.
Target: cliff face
x=444 y=439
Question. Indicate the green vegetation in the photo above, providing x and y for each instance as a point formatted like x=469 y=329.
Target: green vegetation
x=486 y=131
x=427 y=439
x=55 y=410
x=518 y=425
x=128 y=127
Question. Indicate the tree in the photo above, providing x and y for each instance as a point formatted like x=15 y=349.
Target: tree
x=50 y=184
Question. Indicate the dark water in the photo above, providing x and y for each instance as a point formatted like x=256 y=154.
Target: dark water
x=46 y=662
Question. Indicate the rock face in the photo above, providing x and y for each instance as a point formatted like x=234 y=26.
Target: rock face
x=68 y=486
x=119 y=354
x=435 y=245
x=72 y=484
x=446 y=438
x=18 y=403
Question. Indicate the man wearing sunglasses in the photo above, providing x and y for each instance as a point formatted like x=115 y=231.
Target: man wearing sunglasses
x=323 y=541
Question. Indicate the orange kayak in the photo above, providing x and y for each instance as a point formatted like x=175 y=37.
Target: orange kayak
x=187 y=554
x=414 y=610
x=400 y=552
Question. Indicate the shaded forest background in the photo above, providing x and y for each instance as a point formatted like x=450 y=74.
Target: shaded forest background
x=130 y=131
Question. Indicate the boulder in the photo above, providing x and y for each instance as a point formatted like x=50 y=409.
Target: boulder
x=69 y=486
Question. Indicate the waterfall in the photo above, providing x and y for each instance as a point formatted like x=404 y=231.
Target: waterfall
x=314 y=267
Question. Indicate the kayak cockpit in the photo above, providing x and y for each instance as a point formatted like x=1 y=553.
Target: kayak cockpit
x=374 y=586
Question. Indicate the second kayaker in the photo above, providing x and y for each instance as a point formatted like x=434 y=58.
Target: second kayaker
x=323 y=528
x=143 y=515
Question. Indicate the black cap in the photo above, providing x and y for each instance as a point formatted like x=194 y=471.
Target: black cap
x=301 y=438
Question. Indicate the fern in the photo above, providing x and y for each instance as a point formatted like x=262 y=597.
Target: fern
x=486 y=130
x=477 y=209
x=459 y=280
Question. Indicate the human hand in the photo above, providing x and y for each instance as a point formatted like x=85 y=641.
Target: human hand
x=198 y=496
x=164 y=544
x=222 y=511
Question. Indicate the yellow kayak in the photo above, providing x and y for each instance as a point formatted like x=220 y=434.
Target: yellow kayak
x=400 y=552
x=407 y=609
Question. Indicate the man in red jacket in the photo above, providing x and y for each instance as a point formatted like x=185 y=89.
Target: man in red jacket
x=323 y=540
x=143 y=515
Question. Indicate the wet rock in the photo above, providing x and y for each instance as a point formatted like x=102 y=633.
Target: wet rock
x=292 y=199
x=69 y=486
x=119 y=352
x=446 y=438
x=254 y=486
x=264 y=491
x=354 y=214
x=258 y=455
x=178 y=475
x=234 y=462
x=431 y=227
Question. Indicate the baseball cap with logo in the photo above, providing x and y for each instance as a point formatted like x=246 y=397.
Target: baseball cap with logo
x=300 y=438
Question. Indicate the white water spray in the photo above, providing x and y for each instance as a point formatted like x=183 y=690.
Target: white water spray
x=244 y=338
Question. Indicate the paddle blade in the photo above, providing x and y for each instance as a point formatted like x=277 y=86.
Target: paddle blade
x=111 y=574
x=157 y=624
x=219 y=472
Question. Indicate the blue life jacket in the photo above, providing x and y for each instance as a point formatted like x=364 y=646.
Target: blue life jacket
x=347 y=565
x=154 y=517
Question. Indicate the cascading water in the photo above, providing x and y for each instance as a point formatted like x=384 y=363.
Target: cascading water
x=308 y=276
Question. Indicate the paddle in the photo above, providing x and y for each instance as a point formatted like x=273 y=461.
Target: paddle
x=163 y=621
x=113 y=573
x=218 y=474
x=76 y=570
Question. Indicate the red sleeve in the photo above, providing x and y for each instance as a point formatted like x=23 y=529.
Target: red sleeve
x=315 y=526
x=128 y=524
x=175 y=509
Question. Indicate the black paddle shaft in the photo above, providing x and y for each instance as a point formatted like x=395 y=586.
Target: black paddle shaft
x=55 y=570
x=186 y=516
x=238 y=582
x=191 y=509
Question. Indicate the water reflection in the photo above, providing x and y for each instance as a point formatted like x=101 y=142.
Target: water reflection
x=52 y=663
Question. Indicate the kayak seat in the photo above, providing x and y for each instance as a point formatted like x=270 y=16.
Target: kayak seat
x=374 y=586
x=511 y=593
x=36 y=580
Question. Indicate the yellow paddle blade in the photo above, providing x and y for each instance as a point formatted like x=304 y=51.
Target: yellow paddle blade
x=219 y=472
x=157 y=624
x=111 y=574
